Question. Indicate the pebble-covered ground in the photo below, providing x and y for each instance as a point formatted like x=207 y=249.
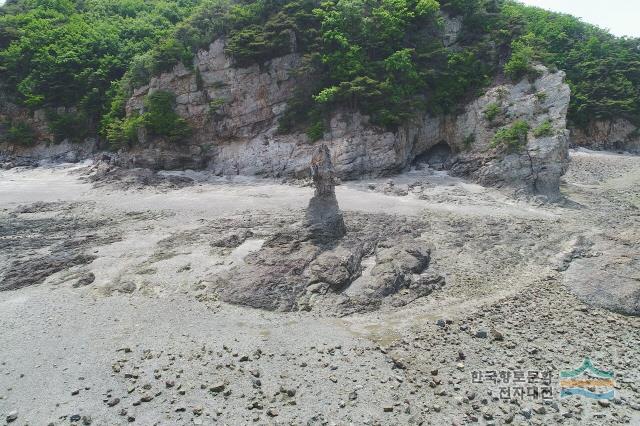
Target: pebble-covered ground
x=108 y=317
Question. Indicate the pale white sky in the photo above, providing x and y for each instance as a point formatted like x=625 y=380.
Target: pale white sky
x=621 y=17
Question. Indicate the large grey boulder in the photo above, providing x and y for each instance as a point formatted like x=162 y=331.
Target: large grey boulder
x=604 y=271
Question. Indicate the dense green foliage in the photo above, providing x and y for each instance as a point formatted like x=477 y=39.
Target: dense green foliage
x=159 y=119
x=68 y=125
x=602 y=70
x=384 y=58
x=67 y=53
x=512 y=138
x=19 y=133
x=256 y=30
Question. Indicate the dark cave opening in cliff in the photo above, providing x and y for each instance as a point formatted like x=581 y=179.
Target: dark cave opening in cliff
x=435 y=157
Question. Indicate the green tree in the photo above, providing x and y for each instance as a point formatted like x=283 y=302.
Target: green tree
x=161 y=119
x=512 y=138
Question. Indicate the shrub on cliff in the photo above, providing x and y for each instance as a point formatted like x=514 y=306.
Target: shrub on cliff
x=72 y=125
x=492 y=111
x=520 y=62
x=544 y=129
x=19 y=133
x=512 y=138
x=159 y=120
x=123 y=133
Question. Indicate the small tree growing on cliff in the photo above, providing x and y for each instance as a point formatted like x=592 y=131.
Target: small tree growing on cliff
x=520 y=63
x=159 y=119
x=512 y=138
x=492 y=111
x=19 y=133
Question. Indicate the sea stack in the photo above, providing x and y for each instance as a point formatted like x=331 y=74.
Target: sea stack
x=323 y=213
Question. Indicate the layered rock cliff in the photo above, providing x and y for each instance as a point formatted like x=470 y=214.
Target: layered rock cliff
x=43 y=147
x=611 y=135
x=235 y=113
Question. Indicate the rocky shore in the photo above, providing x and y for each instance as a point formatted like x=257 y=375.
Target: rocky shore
x=114 y=313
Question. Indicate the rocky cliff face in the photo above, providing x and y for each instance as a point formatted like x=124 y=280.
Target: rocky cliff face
x=67 y=152
x=225 y=106
x=536 y=167
x=235 y=113
x=617 y=135
x=45 y=149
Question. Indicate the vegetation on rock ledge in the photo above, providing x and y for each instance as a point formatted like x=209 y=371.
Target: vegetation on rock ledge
x=159 y=119
x=512 y=138
x=18 y=133
x=384 y=58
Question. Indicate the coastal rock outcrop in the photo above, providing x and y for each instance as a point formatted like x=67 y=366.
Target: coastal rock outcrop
x=603 y=270
x=379 y=262
x=44 y=148
x=235 y=114
x=314 y=264
x=324 y=218
x=536 y=166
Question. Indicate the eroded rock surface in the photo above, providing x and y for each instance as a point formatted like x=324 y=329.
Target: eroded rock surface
x=324 y=218
x=607 y=274
x=42 y=239
x=235 y=114
x=613 y=135
x=293 y=270
x=104 y=172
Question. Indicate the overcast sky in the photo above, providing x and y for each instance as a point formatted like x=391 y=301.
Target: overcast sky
x=621 y=17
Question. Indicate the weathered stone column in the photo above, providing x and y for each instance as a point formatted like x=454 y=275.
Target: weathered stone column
x=323 y=214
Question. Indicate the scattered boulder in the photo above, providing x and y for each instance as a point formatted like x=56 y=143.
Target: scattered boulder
x=232 y=239
x=337 y=268
x=481 y=334
x=126 y=287
x=12 y=416
x=104 y=173
x=34 y=271
x=85 y=280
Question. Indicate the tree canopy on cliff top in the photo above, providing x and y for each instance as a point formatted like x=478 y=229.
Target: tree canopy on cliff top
x=385 y=58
